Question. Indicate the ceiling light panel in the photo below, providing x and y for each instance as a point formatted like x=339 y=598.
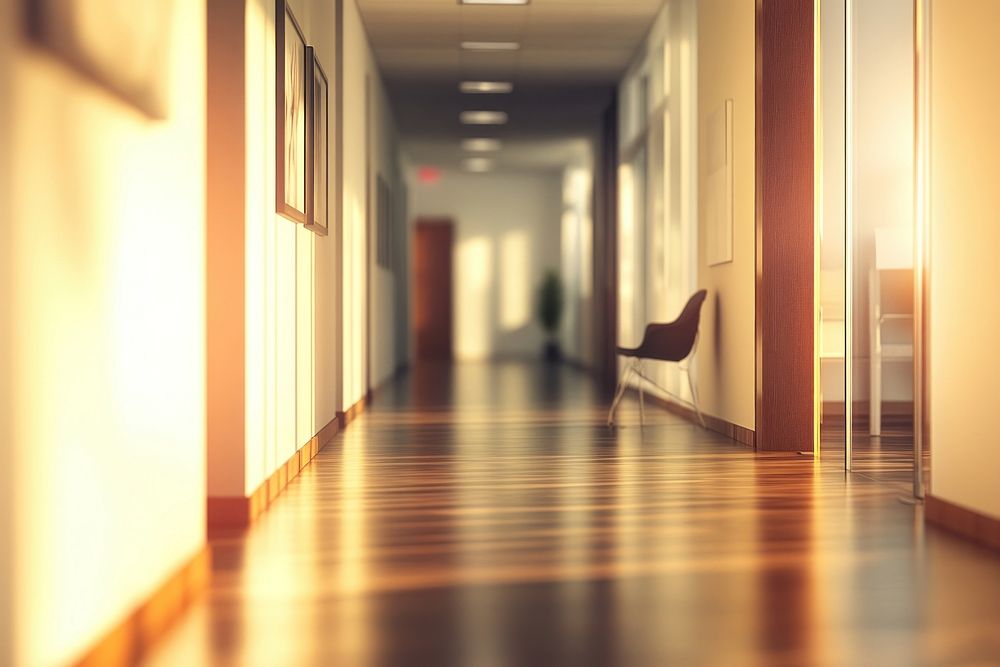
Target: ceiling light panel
x=491 y=46
x=474 y=87
x=481 y=145
x=477 y=164
x=483 y=117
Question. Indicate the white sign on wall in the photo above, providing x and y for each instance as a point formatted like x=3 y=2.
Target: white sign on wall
x=719 y=200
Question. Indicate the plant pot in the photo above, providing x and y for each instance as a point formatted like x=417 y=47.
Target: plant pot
x=552 y=352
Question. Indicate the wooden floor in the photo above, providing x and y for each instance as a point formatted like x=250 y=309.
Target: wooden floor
x=485 y=516
x=887 y=458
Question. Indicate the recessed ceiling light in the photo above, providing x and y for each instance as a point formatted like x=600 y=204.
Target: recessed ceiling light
x=493 y=2
x=481 y=145
x=477 y=164
x=486 y=86
x=491 y=46
x=483 y=117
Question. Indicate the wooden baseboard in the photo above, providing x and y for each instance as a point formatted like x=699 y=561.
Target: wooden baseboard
x=351 y=413
x=130 y=639
x=971 y=525
x=237 y=513
x=862 y=408
x=740 y=434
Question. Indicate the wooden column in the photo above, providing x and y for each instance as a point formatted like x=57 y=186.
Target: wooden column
x=785 y=225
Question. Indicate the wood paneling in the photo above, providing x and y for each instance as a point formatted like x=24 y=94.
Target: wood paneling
x=484 y=515
x=785 y=225
x=432 y=299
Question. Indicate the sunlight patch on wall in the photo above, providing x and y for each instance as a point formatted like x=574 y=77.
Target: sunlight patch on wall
x=515 y=290
x=473 y=315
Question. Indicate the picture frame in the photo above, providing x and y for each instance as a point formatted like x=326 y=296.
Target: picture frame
x=318 y=147
x=128 y=53
x=291 y=142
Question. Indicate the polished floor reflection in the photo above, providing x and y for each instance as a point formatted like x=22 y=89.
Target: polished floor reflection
x=483 y=515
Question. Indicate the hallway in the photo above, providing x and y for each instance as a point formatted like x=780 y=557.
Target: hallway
x=483 y=515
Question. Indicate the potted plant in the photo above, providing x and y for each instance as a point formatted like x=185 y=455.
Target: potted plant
x=550 y=309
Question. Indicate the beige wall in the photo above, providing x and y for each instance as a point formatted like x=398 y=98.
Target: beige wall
x=106 y=233
x=964 y=272
x=726 y=366
x=6 y=324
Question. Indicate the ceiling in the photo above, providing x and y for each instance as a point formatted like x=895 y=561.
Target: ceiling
x=573 y=53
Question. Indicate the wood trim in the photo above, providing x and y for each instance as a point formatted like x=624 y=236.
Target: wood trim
x=785 y=229
x=863 y=408
x=236 y=513
x=979 y=528
x=129 y=640
x=740 y=434
x=349 y=415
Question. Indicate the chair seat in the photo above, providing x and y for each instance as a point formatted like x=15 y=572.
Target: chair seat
x=639 y=353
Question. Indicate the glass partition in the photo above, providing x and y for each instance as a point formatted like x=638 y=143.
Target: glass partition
x=868 y=347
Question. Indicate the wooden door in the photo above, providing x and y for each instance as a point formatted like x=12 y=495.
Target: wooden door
x=432 y=303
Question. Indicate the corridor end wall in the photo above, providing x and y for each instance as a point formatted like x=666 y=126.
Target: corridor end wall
x=507 y=235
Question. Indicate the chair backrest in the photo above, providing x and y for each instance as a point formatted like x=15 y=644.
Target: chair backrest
x=674 y=341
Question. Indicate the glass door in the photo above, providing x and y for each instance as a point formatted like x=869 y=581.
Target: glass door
x=881 y=232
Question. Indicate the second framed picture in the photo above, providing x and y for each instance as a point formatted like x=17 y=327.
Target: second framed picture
x=317 y=146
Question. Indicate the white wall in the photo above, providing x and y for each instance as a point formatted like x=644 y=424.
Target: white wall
x=105 y=233
x=964 y=272
x=726 y=70
x=507 y=234
x=304 y=329
x=387 y=308
x=360 y=201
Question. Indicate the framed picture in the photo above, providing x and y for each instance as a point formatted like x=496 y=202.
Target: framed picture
x=122 y=46
x=318 y=132
x=290 y=144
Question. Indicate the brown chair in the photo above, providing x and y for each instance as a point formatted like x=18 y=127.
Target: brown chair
x=675 y=342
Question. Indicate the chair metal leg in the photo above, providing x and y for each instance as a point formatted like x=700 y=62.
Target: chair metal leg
x=622 y=384
x=694 y=397
x=875 y=425
x=642 y=397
